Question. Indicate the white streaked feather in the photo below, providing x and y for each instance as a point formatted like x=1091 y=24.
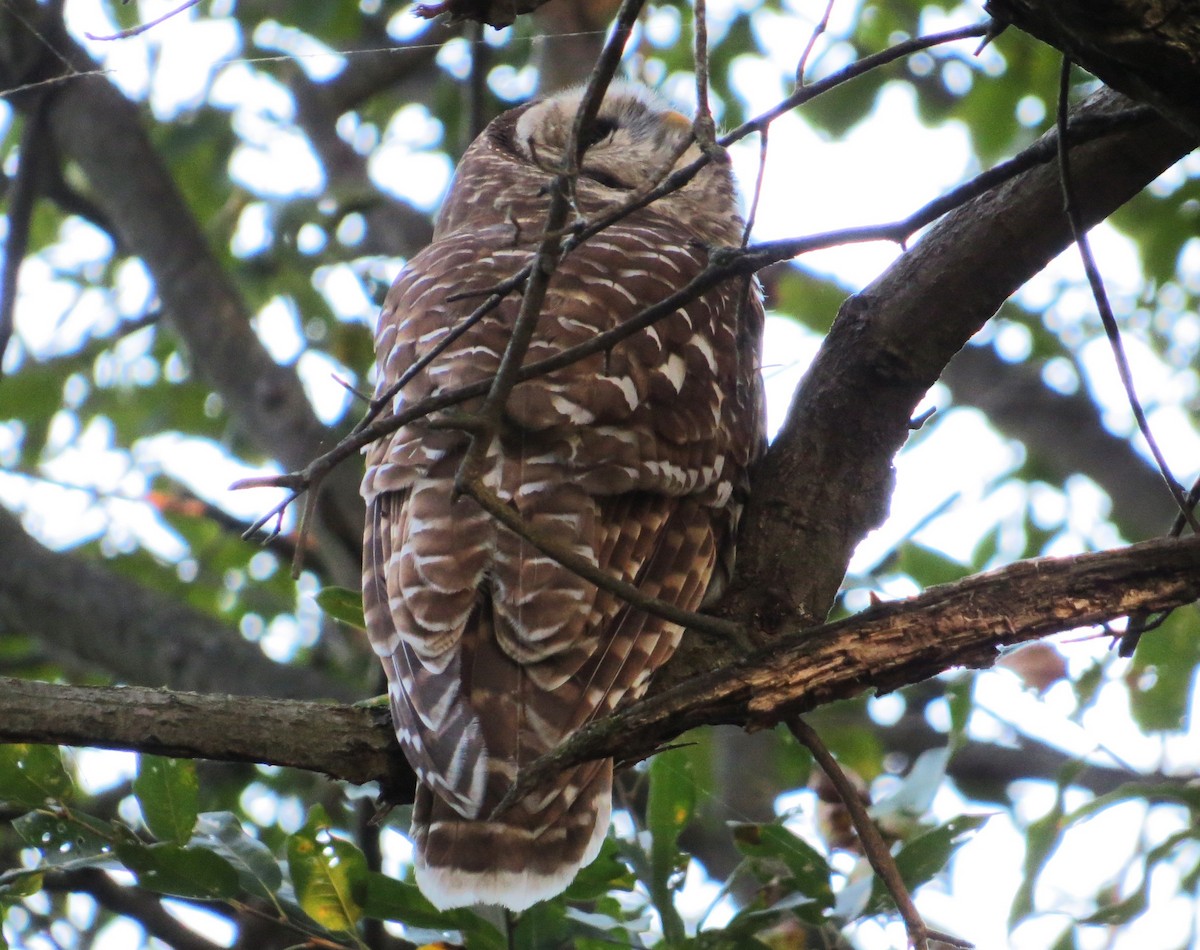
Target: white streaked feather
x=675 y=370
x=516 y=890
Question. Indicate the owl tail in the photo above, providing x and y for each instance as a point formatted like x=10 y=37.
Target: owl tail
x=531 y=853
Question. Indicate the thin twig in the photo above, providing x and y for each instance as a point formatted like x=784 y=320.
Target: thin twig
x=752 y=214
x=549 y=250
x=1096 y=282
x=497 y=295
x=874 y=847
x=143 y=27
x=304 y=529
x=352 y=390
x=820 y=28
x=705 y=128
x=566 y=556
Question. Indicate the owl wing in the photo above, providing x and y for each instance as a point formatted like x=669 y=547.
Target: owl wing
x=635 y=457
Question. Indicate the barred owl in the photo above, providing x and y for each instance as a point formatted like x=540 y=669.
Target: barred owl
x=635 y=457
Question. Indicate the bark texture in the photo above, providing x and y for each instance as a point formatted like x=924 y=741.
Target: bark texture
x=1148 y=49
x=961 y=624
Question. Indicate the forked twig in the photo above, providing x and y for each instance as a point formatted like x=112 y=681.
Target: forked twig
x=820 y=28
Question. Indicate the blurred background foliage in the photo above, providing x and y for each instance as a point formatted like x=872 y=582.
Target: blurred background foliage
x=1040 y=804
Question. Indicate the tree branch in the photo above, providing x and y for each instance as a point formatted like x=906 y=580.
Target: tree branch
x=142 y=906
x=354 y=743
x=894 y=644
x=1150 y=51
x=959 y=624
x=887 y=347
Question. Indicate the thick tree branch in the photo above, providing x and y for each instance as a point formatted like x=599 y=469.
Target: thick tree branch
x=959 y=624
x=1148 y=50
x=827 y=480
x=355 y=743
x=894 y=644
x=136 y=634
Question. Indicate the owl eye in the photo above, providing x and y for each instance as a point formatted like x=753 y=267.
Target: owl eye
x=601 y=129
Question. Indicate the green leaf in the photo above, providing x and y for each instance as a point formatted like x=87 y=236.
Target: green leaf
x=221 y=832
x=811 y=299
x=31 y=775
x=1120 y=912
x=927 y=566
x=809 y=871
x=328 y=873
x=924 y=856
x=168 y=794
x=343 y=604
x=606 y=874
x=543 y=925
x=1163 y=668
x=669 y=808
x=19 y=883
x=66 y=839
x=960 y=699
x=180 y=871
x=388 y=899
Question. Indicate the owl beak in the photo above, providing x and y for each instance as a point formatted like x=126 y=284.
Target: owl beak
x=678 y=121
x=681 y=125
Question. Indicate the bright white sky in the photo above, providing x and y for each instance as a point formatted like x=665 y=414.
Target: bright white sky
x=839 y=184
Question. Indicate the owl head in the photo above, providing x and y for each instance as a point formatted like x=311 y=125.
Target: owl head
x=634 y=142
x=633 y=138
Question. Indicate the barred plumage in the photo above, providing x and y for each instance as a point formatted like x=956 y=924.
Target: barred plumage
x=636 y=457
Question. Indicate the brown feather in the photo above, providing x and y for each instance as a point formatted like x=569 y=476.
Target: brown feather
x=637 y=458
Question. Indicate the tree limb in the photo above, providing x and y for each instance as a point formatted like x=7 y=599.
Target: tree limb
x=354 y=743
x=828 y=477
x=144 y=907
x=961 y=624
x=1150 y=51
x=894 y=644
